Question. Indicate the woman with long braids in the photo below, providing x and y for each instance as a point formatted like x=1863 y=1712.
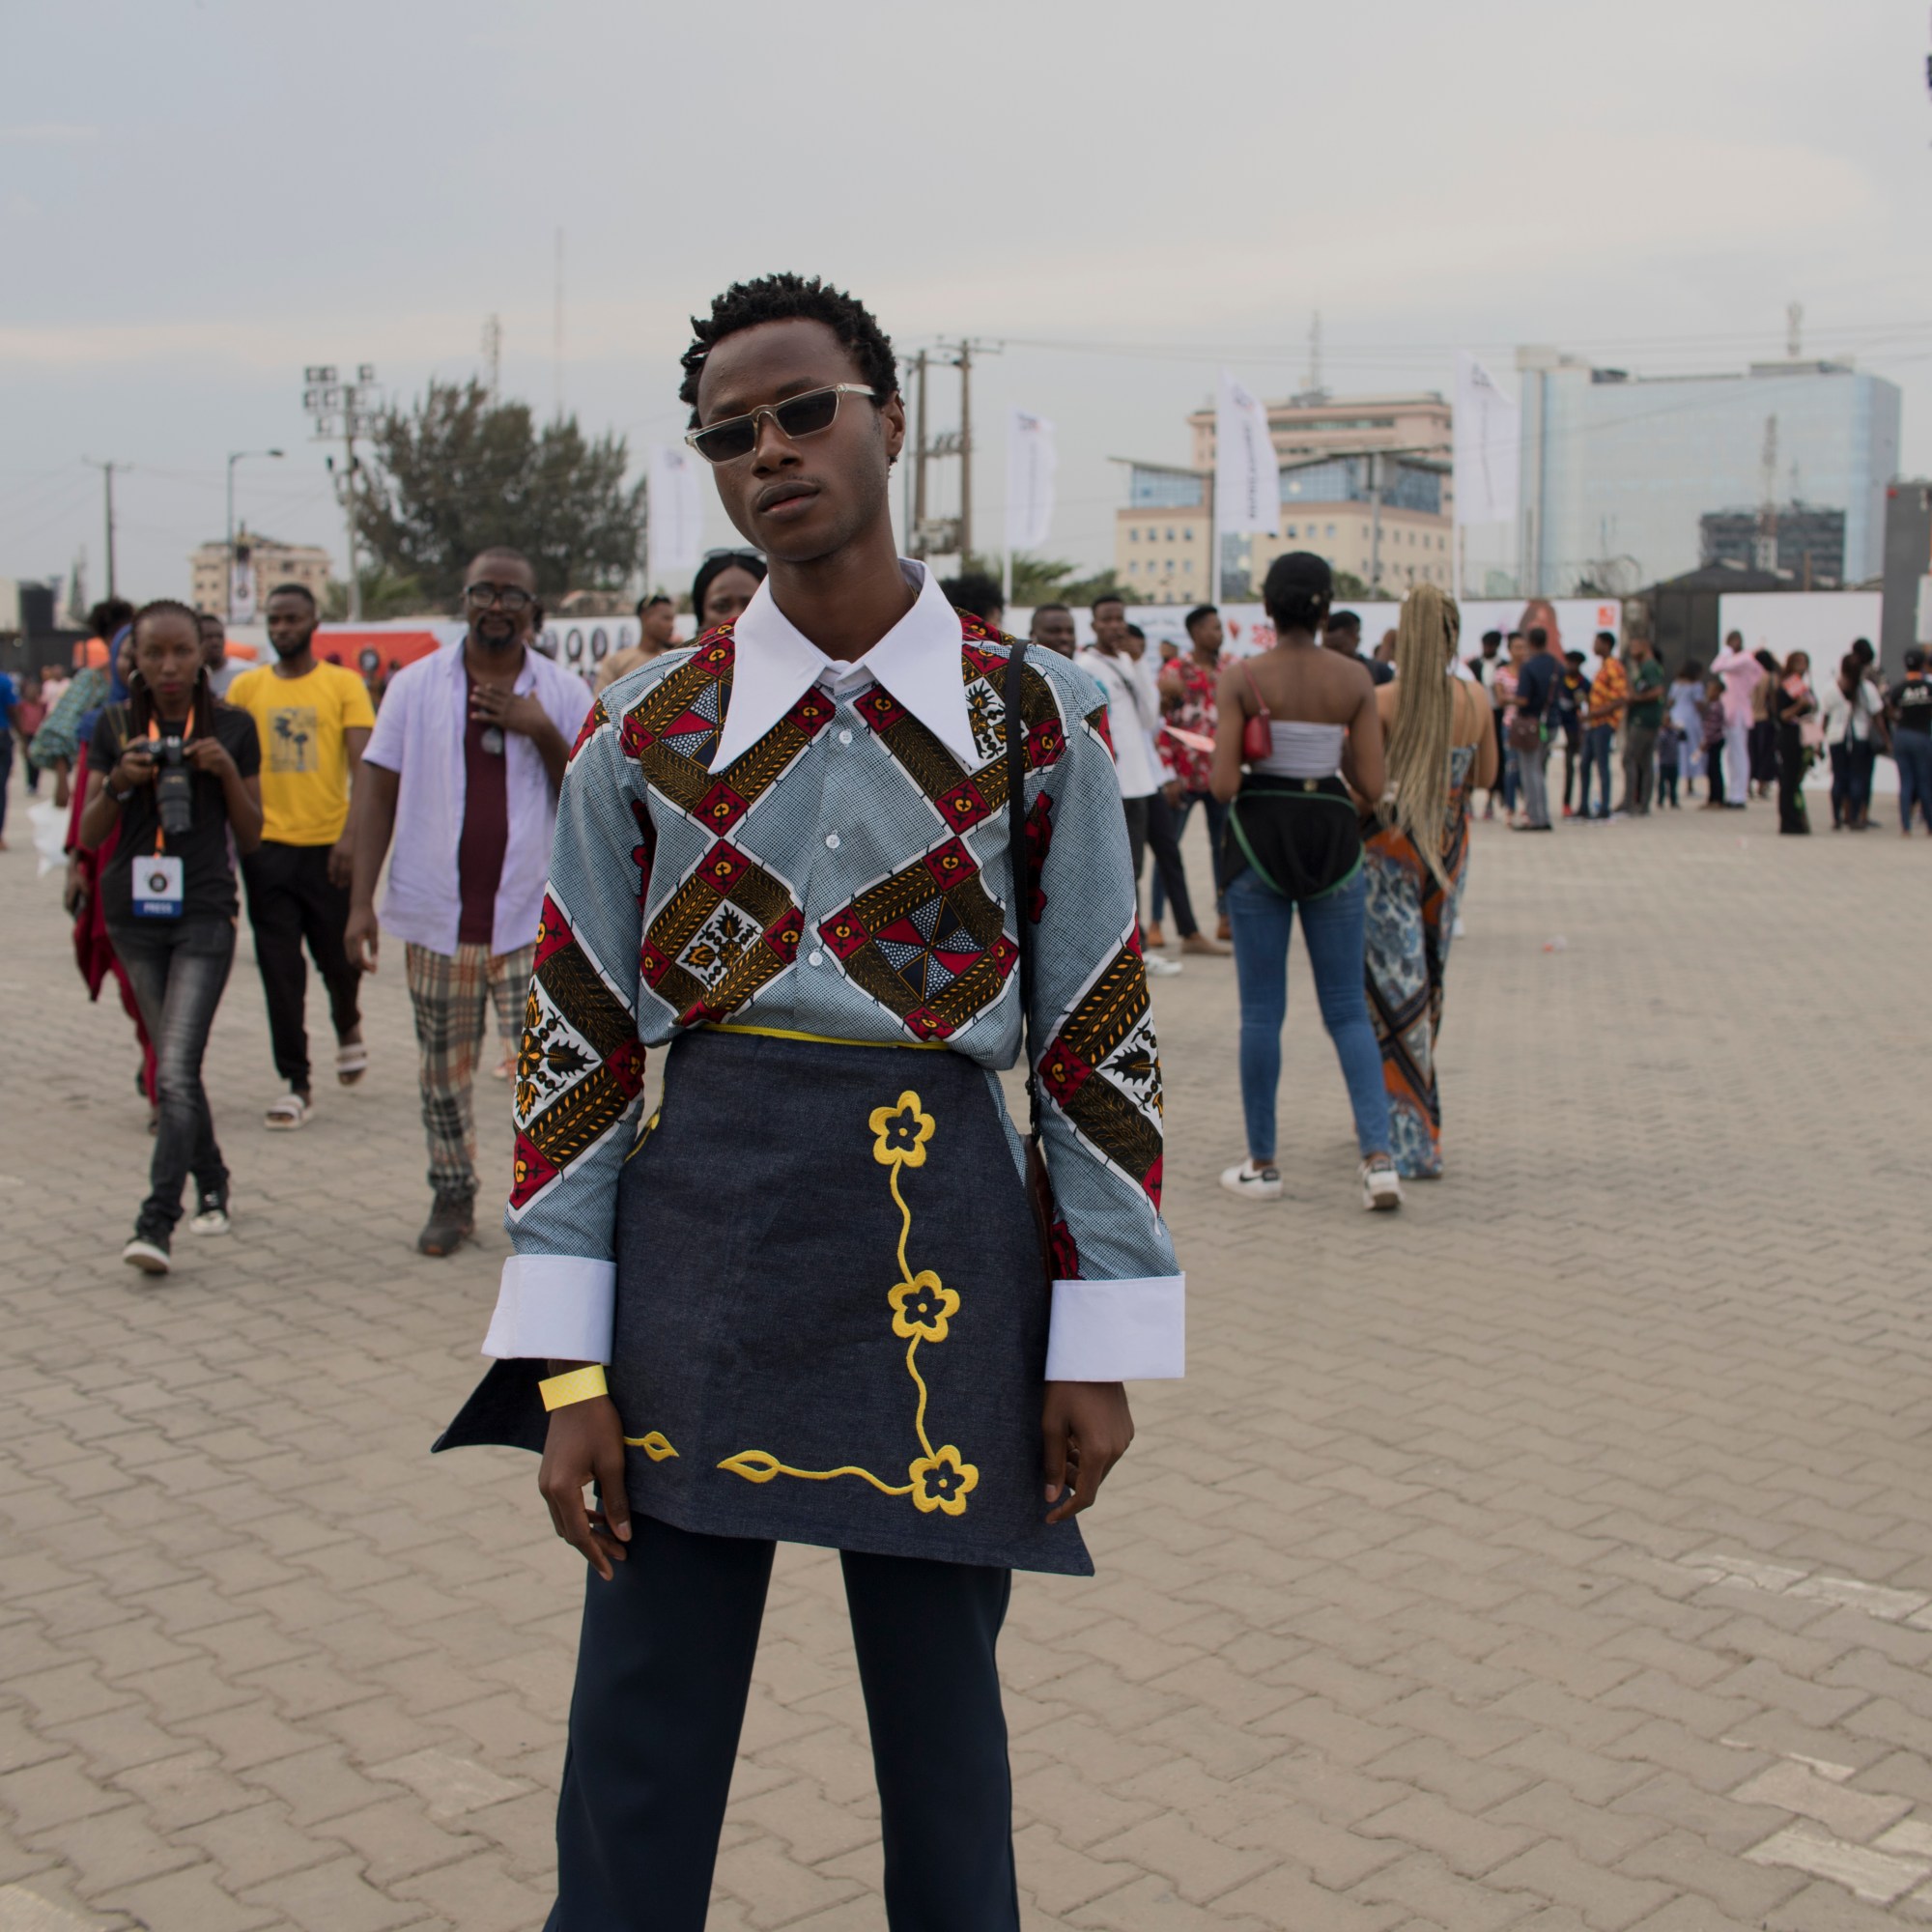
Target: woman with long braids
x=175 y=787
x=1441 y=750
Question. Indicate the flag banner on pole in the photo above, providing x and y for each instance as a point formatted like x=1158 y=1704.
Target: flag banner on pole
x=674 y=532
x=1247 y=472
x=1032 y=461
x=241 y=589
x=1489 y=428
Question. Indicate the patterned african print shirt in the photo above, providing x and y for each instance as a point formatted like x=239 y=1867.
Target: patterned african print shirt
x=752 y=834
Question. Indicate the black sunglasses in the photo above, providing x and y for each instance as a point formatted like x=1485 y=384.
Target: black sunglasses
x=796 y=416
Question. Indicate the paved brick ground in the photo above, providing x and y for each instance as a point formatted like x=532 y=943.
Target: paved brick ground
x=1553 y=1555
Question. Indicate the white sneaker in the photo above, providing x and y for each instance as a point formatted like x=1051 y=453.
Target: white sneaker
x=1255 y=1183
x=149 y=1257
x=1160 y=967
x=1381 y=1184
x=209 y=1217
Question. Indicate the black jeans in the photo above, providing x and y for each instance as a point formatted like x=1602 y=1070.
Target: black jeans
x=1151 y=825
x=177 y=968
x=6 y=771
x=663 y=1669
x=290 y=899
x=1217 y=820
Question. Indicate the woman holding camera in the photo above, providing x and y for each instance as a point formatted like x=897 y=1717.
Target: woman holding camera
x=184 y=779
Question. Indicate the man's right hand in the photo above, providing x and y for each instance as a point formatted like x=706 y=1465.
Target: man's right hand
x=586 y=1444
x=360 y=938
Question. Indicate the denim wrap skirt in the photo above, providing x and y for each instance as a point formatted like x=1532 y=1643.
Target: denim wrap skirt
x=830 y=1310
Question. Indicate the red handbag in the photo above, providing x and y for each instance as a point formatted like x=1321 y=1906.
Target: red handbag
x=1257 y=727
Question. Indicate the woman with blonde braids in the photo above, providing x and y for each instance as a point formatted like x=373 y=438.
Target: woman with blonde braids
x=1441 y=749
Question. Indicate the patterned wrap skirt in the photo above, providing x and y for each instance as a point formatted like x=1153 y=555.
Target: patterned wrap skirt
x=830 y=1308
x=1410 y=919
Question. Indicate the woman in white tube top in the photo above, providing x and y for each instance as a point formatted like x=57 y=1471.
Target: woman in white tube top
x=1294 y=841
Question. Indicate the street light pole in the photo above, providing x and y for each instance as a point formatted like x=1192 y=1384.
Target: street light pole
x=234 y=456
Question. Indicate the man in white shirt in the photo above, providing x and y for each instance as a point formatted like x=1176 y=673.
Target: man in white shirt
x=1133 y=717
x=462 y=771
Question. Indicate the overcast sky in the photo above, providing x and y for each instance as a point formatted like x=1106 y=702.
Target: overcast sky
x=197 y=199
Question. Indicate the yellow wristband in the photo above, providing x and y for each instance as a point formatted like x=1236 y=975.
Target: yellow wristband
x=579 y=1385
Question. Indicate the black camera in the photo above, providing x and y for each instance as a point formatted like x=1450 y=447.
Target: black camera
x=174 y=784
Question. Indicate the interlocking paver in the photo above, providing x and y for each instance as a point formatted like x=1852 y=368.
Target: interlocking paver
x=1515 y=1563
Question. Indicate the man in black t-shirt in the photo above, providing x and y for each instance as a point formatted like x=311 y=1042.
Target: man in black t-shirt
x=1535 y=689
x=1911 y=710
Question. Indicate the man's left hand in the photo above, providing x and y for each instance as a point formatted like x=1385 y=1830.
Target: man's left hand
x=1085 y=1430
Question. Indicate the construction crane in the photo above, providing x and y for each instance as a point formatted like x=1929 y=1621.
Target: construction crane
x=1766 y=547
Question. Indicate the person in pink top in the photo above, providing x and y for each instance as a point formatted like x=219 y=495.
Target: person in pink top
x=1741 y=674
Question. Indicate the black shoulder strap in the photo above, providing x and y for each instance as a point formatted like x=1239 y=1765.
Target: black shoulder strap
x=1016 y=852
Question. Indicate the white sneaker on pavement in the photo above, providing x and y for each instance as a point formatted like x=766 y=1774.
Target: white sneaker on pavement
x=1160 y=967
x=1381 y=1184
x=1252 y=1182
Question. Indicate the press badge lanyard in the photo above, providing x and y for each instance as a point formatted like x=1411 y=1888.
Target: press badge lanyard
x=157 y=890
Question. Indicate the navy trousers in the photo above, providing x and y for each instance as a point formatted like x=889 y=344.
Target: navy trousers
x=663 y=1671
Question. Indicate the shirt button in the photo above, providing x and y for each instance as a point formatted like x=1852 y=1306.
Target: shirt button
x=845 y=737
x=814 y=959
x=832 y=841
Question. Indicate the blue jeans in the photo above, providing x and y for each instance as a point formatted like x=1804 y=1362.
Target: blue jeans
x=1912 y=752
x=1217 y=817
x=177 y=968
x=1597 y=742
x=1334 y=929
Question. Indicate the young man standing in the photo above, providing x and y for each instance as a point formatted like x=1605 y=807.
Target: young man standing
x=1741 y=674
x=312 y=721
x=1535 y=693
x=808 y=1301
x=1053 y=630
x=221 y=672
x=1643 y=718
x=1133 y=717
x=1603 y=712
x=463 y=771
x=1188 y=687
x=657 y=630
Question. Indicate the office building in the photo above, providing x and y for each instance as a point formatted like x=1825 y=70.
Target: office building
x=269 y=562
x=1619 y=473
x=1338 y=455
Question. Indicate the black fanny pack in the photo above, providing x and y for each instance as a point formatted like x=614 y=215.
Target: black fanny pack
x=1300 y=835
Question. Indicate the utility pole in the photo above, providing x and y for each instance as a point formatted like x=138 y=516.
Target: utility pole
x=965 y=455
x=556 y=344
x=916 y=536
x=1375 y=524
x=234 y=456
x=493 y=357
x=107 y=471
x=345 y=409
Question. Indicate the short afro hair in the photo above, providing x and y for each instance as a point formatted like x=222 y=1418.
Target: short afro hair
x=780 y=299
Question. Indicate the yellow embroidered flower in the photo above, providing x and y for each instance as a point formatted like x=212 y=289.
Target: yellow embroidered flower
x=942 y=1481
x=920 y=1306
x=900 y=1132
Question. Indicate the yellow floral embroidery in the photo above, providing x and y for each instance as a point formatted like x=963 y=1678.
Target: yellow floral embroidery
x=901 y=1133
x=942 y=1481
x=923 y=1309
x=655 y=1445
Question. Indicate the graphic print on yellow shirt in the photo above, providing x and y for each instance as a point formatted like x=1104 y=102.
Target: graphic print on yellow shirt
x=302 y=723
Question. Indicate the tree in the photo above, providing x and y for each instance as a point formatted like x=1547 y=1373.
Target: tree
x=457 y=473
x=1045 y=579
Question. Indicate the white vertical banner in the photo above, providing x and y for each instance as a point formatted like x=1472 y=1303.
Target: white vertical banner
x=1031 y=464
x=242 y=587
x=674 y=504
x=1488 y=433
x=1247 y=472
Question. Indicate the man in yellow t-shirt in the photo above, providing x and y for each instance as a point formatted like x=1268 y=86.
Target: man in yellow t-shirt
x=312 y=721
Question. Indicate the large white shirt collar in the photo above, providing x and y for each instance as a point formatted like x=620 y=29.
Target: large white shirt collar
x=918 y=661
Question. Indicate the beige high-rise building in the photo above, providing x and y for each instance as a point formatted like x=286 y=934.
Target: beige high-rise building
x=270 y=563
x=1324 y=443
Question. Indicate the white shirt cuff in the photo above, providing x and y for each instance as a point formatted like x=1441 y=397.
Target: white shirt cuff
x=1119 y=1331
x=555 y=1307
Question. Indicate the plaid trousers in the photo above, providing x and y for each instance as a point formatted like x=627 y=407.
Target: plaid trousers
x=450 y=996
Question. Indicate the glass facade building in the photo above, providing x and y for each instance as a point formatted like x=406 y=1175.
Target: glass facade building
x=1618 y=472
